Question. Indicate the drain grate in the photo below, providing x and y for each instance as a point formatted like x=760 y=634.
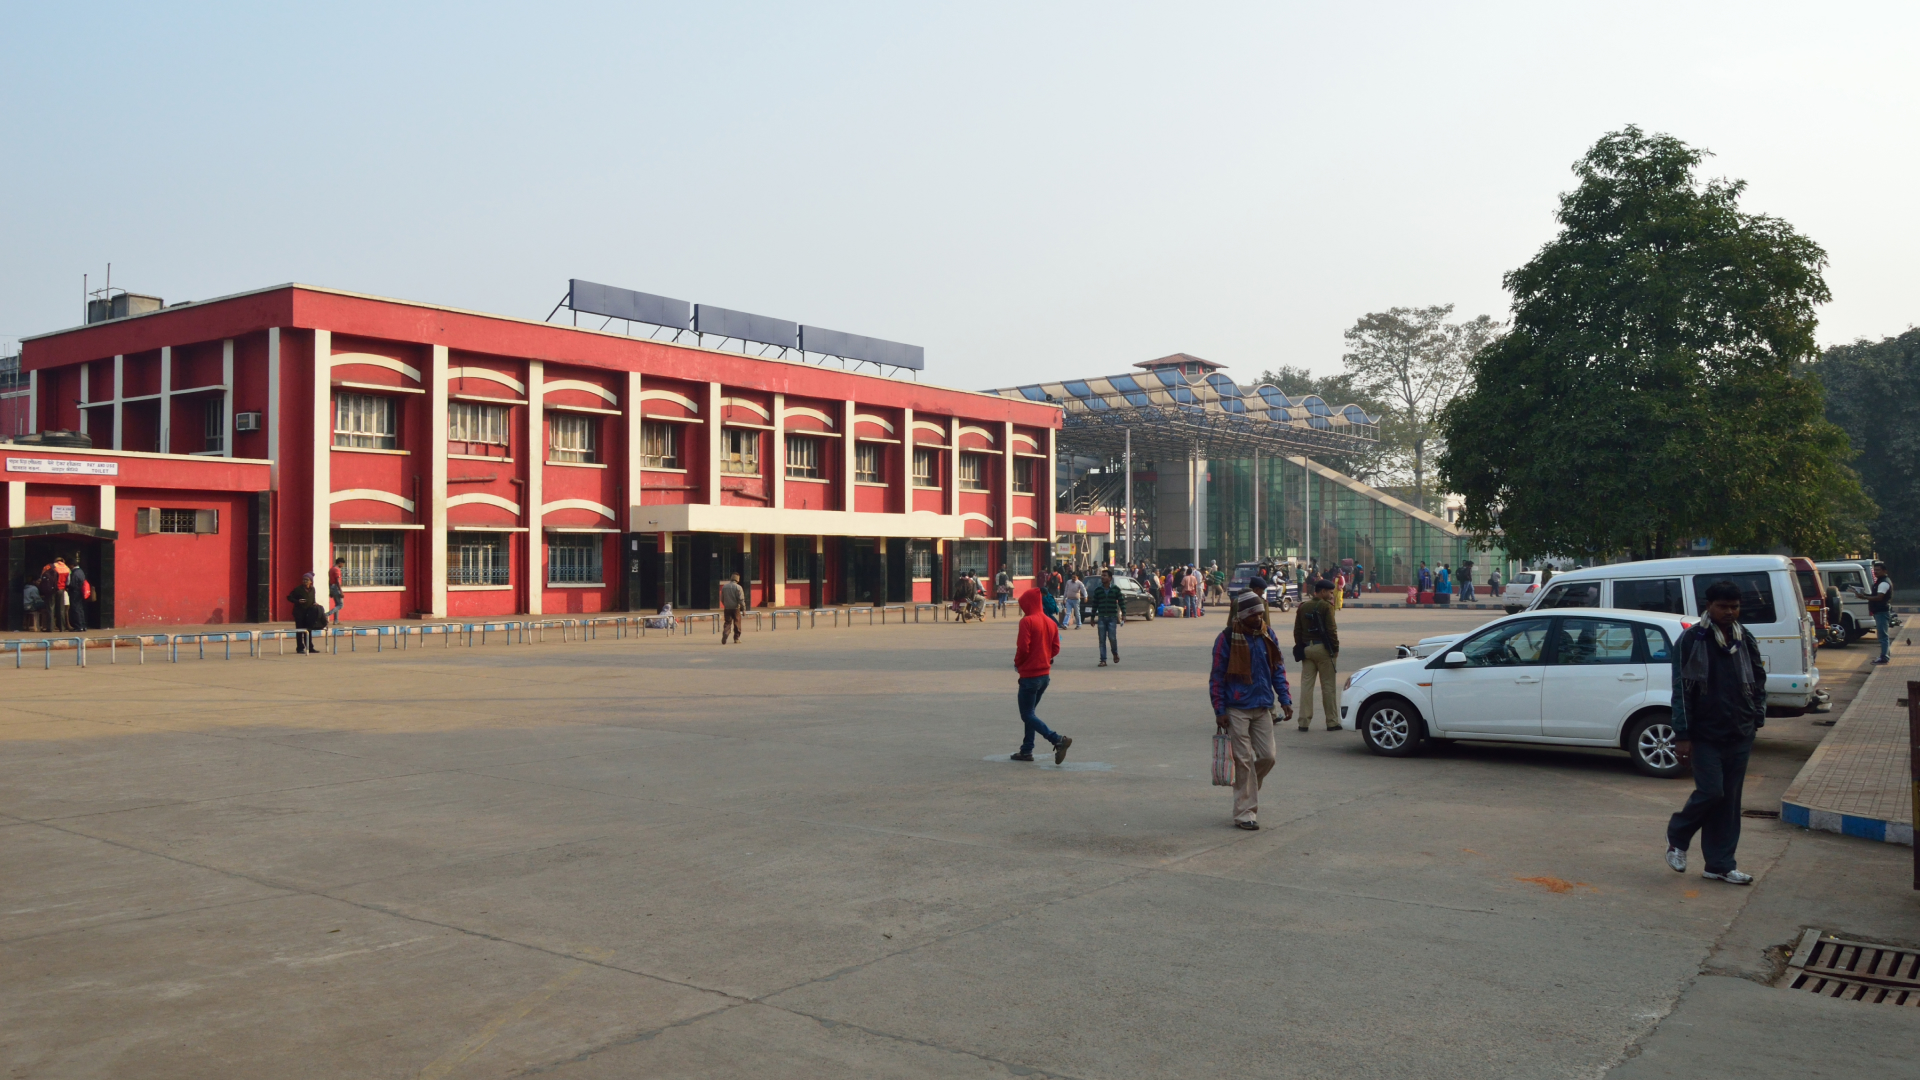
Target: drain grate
x=1854 y=971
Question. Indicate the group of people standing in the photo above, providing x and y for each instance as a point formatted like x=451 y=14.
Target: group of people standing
x=61 y=590
x=1440 y=582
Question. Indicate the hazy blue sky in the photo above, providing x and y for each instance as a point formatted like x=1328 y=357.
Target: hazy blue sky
x=1029 y=190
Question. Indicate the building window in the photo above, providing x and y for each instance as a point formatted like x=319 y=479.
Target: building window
x=970 y=555
x=922 y=558
x=572 y=438
x=740 y=452
x=1020 y=558
x=866 y=463
x=216 y=429
x=477 y=559
x=365 y=420
x=973 y=472
x=473 y=428
x=163 y=519
x=573 y=560
x=803 y=457
x=1023 y=475
x=373 y=558
x=659 y=445
x=799 y=558
x=926 y=468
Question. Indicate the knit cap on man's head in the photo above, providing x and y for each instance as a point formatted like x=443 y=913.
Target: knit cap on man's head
x=1249 y=603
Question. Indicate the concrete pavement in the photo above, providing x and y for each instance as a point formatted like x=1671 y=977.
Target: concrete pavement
x=794 y=858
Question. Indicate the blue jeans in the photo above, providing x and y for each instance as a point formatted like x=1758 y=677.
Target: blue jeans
x=1713 y=810
x=1109 y=633
x=1883 y=625
x=1030 y=691
x=1466 y=592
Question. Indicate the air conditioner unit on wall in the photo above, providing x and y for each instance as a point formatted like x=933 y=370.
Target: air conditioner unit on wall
x=246 y=421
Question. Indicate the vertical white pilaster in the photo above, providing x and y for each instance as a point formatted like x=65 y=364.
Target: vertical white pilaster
x=226 y=397
x=33 y=406
x=109 y=502
x=119 y=398
x=779 y=441
x=715 y=440
x=849 y=453
x=1043 y=513
x=273 y=406
x=86 y=387
x=634 y=475
x=166 y=400
x=437 y=483
x=16 y=503
x=322 y=410
x=536 y=491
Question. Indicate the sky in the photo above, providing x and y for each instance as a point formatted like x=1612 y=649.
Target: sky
x=1031 y=191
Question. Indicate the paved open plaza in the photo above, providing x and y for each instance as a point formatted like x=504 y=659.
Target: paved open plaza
x=806 y=856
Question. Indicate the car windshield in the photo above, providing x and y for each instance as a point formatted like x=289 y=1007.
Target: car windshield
x=1511 y=644
x=1523 y=579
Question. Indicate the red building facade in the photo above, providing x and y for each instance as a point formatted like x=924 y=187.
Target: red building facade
x=469 y=465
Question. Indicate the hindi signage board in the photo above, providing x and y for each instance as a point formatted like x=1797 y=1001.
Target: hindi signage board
x=63 y=467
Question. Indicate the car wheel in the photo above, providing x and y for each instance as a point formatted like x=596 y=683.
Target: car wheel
x=1850 y=631
x=1650 y=741
x=1390 y=726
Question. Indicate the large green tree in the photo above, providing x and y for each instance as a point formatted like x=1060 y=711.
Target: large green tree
x=1873 y=394
x=1651 y=389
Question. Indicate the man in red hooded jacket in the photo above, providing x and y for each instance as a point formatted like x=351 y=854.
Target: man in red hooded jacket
x=1033 y=653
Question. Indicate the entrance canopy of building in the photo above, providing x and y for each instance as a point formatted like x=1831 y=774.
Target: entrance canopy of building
x=1181 y=402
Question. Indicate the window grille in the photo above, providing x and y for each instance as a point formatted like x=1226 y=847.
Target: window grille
x=1020 y=559
x=741 y=456
x=1023 y=475
x=572 y=438
x=799 y=558
x=926 y=468
x=659 y=445
x=973 y=472
x=373 y=558
x=803 y=457
x=866 y=463
x=161 y=519
x=573 y=560
x=478 y=559
x=970 y=555
x=922 y=558
x=475 y=428
x=216 y=427
x=366 y=420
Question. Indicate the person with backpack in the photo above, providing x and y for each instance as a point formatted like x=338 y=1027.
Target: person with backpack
x=53 y=586
x=1247 y=683
x=1002 y=591
x=79 y=591
x=1316 y=645
x=1035 y=646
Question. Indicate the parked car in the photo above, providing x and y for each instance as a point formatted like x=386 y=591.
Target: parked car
x=1517 y=593
x=1586 y=677
x=1770 y=606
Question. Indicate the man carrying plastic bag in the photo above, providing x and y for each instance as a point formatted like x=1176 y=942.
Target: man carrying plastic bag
x=1248 y=682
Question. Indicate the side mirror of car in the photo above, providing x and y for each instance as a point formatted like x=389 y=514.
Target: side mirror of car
x=1455 y=659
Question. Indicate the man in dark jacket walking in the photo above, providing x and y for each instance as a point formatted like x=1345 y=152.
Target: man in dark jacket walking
x=77 y=591
x=1719 y=701
x=1034 y=648
x=1248 y=681
x=1107 y=602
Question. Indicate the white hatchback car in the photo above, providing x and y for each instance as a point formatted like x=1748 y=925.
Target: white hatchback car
x=1586 y=677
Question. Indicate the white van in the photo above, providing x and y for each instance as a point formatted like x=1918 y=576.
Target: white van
x=1771 y=607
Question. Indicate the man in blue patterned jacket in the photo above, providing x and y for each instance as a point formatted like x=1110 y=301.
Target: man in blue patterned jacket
x=1248 y=682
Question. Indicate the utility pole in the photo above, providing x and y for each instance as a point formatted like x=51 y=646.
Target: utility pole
x=1129 y=465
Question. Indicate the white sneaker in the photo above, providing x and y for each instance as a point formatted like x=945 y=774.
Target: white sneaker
x=1677 y=859
x=1731 y=877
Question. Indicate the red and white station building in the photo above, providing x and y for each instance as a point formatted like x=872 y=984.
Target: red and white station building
x=470 y=465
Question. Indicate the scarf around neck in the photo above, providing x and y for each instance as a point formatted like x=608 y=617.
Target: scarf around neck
x=1240 y=653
